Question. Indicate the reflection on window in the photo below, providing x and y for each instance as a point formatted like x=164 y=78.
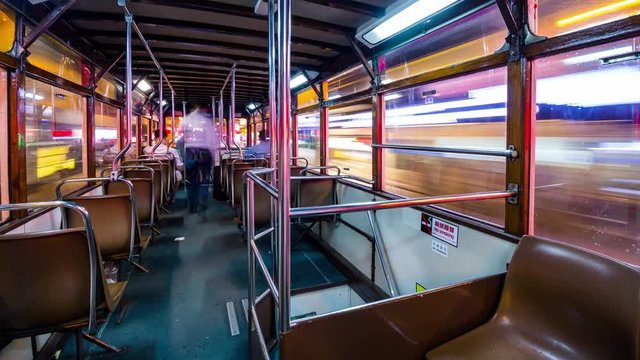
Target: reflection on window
x=561 y=17
x=349 y=82
x=108 y=88
x=145 y=132
x=309 y=137
x=106 y=135
x=306 y=98
x=350 y=140
x=587 y=164
x=4 y=143
x=54 y=138
x=7 y=29
x=472 y=37
x=51 y=56
x=465 y=112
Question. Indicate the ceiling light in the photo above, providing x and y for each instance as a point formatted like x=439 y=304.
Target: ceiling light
x=297 y=81
x=144 y=86
x=164 y=102
x=407 y=17
x=252 y=107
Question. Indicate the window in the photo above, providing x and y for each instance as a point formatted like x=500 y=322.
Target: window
x=350 y=139
x=587 y=160
x=55 y=120
x=465 y=112
x=145 y=132
x=4 y=143
x=7 y=29
x=472 y=37
x=349 y=82
x=309 y=137
x=109 y=88
x=557 y=17
x=106 y=139
x=51 y=56
x=307 y=98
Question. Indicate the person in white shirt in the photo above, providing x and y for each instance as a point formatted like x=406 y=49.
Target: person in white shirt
x=164 y=149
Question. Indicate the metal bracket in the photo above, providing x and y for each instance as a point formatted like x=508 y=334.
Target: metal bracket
x=363 y=59
x=514 y=198
x=513 y=152
x=530 y=37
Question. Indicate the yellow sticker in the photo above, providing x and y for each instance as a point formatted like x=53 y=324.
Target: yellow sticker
x=420 y=288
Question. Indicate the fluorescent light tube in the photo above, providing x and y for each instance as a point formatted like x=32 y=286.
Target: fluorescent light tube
x=409 y=16
x=297 y=81
x=144 y=86
x=596 y=56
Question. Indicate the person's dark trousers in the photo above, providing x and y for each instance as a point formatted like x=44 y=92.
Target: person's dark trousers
x=218 y=194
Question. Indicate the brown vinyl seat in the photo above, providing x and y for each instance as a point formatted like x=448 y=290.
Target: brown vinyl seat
x=558 y=302
x=45 y=284
x=143 y=187
x=112 y=219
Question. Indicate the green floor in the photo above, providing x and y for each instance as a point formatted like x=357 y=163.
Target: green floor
x=178 y=310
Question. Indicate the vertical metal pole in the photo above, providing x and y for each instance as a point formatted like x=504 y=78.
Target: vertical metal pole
x=230 y=127
x=273 y=113
x=128 y=96
x=284 y=115
x=160 y=107
x=252 y=263
x=273 y=139
x=232 y=112
x=173 y=116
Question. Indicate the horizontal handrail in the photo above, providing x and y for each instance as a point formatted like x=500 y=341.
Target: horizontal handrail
x=258 y=256
x=253 y=174
x=310 y=168
x=508 y=153
x=398 y=203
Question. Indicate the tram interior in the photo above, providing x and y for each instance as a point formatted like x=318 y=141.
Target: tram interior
x=311 y=179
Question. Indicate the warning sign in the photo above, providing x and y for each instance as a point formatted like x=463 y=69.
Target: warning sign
x=440 y=229
x=420 y=288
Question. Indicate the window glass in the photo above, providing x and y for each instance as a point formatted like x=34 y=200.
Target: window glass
x=7 y=29
x=4 y=143
x=145 y=132
x=51 y=56
x=309 y=137
x=472 y=37
x=54 y=138
x=349 y=82
x=587 y=163
x=557 y=17
x=306 y=98
x=106 y=135
x=350 y=139
x=108 y=88
x=138 y=99
x=465 y=112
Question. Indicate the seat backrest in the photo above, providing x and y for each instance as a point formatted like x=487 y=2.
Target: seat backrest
x=316 y=192
x=45 y=280
x=559 y=294
x=142 y=193
x=111 y=219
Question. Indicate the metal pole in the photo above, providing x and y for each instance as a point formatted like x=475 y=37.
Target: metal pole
x=284 y=114
x=272 y=92
x=160 y=111
x=173 y=117
x=382 y=254
x=128 y=96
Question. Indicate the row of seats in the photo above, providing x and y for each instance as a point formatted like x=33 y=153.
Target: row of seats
x=55 y=281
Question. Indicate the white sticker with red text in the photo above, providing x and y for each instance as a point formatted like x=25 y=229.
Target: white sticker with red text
x=440 y=229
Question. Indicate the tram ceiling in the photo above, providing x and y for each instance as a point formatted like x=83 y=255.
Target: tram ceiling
x=197 y=41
